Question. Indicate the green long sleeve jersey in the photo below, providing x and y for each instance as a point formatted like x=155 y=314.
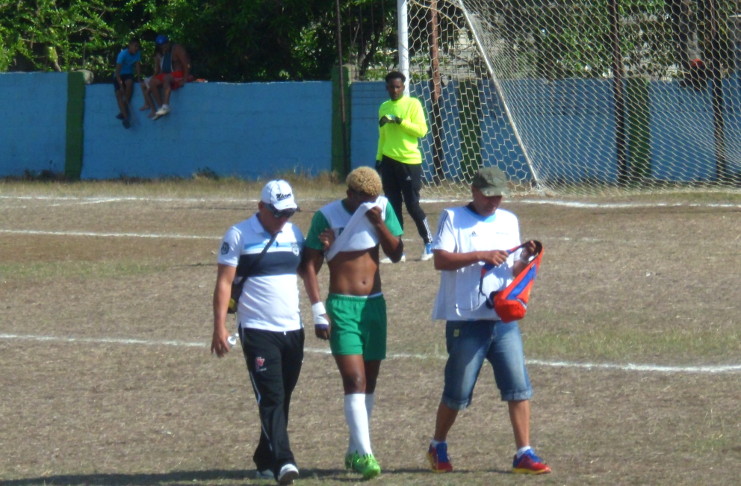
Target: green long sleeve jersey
x=401 y=141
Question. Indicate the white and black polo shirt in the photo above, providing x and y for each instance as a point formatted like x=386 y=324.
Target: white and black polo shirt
x=269 y=298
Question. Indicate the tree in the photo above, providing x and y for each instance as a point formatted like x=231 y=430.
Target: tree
x=51 y=35
x=265 y=40
x=58 y=35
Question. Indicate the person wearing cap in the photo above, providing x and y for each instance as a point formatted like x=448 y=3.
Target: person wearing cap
x=265 y=250
x=468 y=238
x=349 y=233
x=171 y=73
x=401 y=123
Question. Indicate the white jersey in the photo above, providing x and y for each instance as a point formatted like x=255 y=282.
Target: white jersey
x=270 y=297
x=352 y=231
x=461 y=230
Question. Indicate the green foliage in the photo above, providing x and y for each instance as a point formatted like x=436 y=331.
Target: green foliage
x=52 y=35
x=573 y=38
x=265 y=40
x=259 y=40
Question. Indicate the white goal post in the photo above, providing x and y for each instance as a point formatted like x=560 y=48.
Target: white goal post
x=577 y=96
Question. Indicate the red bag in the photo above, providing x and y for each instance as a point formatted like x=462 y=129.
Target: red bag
x=510 y=303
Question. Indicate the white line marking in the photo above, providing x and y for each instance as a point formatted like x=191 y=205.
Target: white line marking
x=536 y=362
x=554 y=202
x=103 y=199
x=628 y=205
x=95 y=234
x=108 y=235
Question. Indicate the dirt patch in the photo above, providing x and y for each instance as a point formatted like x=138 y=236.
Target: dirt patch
x=107 y=377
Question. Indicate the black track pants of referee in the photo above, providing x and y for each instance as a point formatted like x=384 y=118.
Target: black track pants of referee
x=405 y=181
x=274 y=362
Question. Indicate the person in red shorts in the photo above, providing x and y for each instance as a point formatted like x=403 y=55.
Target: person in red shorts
x=171 y=73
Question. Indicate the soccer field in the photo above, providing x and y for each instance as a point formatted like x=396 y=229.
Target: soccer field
x=632 y=339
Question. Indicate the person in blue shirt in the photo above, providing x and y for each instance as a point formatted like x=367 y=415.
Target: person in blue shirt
x=128 y=61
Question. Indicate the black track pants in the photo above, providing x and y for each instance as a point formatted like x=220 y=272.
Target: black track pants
x=402 y=182
x=274 y=362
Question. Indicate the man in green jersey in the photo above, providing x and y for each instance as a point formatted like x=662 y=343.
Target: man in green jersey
x=348 y=233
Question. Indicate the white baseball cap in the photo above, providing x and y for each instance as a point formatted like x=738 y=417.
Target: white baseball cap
x=278 y=194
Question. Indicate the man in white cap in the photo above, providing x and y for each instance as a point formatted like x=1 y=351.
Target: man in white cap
x=264 y=252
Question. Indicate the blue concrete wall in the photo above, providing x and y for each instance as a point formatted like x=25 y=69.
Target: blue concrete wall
x=265 y=129
x=246 y=130
x=33 y=129
x=679 y=115
x=365 y=98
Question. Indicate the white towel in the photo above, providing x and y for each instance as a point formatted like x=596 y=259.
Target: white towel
x=358 y=234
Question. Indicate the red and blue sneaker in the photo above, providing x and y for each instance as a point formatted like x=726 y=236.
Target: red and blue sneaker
x=438 y=457
x=529 y=463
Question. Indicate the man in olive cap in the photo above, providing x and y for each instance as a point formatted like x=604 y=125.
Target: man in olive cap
x=467 y=239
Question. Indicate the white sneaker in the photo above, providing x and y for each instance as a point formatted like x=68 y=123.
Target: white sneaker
x=426 y=253
x=388 y=260
x=264 y=474
x=164 y=110
x=287 y=474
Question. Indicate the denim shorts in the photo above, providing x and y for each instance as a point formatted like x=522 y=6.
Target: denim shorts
x=469 y=343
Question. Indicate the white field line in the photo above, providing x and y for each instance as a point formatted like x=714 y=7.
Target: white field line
x=537 y=362
x=96 y=234
x=552 y=202
x=108 y=235
x=627 y=205
x=105 y=199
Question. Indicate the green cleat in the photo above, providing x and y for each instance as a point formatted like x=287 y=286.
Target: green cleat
x=367 y=466
x=351 y=459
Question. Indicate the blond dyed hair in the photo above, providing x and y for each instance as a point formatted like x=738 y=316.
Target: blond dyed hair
x=364 y=180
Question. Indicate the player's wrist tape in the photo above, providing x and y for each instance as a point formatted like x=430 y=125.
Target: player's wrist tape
x=318 y=311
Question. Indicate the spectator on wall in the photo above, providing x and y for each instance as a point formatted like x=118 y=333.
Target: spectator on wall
x=127 y=61
x=171 y=73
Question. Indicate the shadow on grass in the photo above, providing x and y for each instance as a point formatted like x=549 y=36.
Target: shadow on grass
x=172 y=478
x=217 y=476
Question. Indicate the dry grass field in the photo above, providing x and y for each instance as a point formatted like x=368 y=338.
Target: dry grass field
x=633 y=341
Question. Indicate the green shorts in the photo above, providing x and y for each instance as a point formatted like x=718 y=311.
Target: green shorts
x=358 y=325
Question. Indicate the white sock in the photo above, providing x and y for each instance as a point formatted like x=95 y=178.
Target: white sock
x=434 y=442
x=356 y=416
x=370 y=401
x=522 y=450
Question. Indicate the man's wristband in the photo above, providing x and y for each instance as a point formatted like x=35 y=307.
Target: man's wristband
x=318 y=311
